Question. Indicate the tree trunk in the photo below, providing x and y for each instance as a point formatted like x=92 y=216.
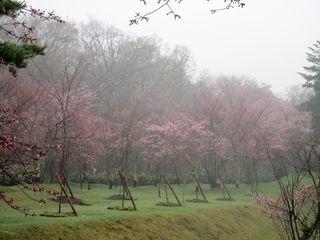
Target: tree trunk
x=159 y=190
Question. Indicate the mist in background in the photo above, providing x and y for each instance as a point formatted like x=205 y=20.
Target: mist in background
x=266 y=40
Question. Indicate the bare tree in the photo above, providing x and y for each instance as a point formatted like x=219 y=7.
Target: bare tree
x=169 y=6
x=297 y=172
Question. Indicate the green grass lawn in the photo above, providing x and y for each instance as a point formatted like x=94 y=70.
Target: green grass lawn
x=239 y=216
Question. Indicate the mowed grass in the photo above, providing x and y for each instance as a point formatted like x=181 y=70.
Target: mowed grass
x=239 y=219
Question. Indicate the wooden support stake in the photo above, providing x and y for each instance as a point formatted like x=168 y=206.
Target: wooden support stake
x=199 y=187
x=68 y=186
x=65 y=193
x=166 y=192
x=126 y=189
x=174 y=194
x=225 y=188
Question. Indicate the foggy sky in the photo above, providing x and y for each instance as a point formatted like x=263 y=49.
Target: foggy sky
x=266 y=40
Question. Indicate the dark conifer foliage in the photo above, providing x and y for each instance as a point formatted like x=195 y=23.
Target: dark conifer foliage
x=20 y=44
x=312 y=77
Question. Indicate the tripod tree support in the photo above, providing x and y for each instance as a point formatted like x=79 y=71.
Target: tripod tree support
x=68 y=186
x=126 y=189
x=225 y=189
x=60 y=181
x=199 y=187
x=171 y=189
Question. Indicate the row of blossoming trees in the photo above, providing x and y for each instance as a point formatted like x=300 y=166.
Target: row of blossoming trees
x=231 y=125
x=227 y=124
x=113 y=101
x=100 y=101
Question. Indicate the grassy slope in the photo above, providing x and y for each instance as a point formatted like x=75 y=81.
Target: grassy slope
x=239 y=219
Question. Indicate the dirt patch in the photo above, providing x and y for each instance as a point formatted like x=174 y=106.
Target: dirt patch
x=249 y=195
x=74 y=200
x=119 y=197
x=56 y=214
x=224 y=199
x=168 y=204
x=197 y=200
x=121 y=208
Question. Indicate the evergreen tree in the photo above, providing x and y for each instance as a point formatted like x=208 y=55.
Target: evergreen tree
x=22 y=46
x=312 y=77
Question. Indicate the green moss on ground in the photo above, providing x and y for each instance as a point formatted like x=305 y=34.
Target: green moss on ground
x=223 y=220
x=241 y=223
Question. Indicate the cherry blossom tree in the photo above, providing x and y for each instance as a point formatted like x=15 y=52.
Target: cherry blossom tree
x=294 y=156
x=175 y=142
x=213 y=143
x=21 y=148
